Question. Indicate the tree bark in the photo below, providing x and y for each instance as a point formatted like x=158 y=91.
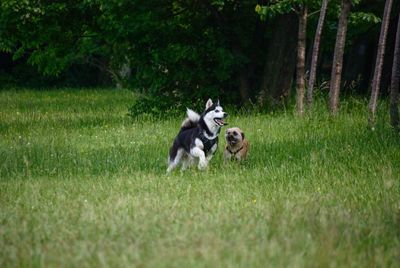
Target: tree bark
x=123 y=74
x=280 y=62
x=301 y=60
x=379 y=63
x=315 y=53
x=394 y=85
x=337 y=63
x=244 y=87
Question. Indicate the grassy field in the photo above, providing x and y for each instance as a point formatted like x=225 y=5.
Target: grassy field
x=84 y=185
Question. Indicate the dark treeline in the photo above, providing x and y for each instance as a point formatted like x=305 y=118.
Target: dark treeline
x=240 y=51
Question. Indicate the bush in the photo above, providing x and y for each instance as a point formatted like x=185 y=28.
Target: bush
x=161 y=105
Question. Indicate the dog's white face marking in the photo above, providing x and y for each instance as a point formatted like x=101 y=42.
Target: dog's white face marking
x=216 y=116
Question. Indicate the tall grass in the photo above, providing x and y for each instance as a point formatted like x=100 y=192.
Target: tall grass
x=83 y=185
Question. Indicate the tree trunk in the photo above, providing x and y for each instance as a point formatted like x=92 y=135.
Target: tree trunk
x=280 y=61
x=301 y=59
x=337 y=63
x=244 y=87
x=123 y=74
x=379 y=63
x=315 y=52
x=394 y=85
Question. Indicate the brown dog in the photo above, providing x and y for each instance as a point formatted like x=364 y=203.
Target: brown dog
x=237 y=146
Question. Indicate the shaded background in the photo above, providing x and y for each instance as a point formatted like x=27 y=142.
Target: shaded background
x=177 y=50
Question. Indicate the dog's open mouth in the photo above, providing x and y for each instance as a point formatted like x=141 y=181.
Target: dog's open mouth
x=231 y=140
x=220 y=121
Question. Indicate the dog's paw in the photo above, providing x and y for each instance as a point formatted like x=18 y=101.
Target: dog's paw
x=202 y=165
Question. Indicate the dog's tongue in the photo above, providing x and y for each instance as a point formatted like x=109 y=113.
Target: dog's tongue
x=221 y=122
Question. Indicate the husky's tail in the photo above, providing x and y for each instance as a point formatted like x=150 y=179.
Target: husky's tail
x=191 y=121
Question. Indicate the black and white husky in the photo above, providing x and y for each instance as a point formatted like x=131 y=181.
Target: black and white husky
x=198 y=137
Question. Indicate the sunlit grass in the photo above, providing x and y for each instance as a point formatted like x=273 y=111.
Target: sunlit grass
x=82 y=184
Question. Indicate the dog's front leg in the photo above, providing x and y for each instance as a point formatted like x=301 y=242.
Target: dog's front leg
x=212 y=152
x=227 y=156
x=197 y=152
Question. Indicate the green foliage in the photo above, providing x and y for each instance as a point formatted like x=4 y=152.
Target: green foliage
x=361 y=21
x=279 y=7
x=172 y=47
x=276 y=7
x=44 y=31
x=358 y=17
x=176 y=48
x=158 y=106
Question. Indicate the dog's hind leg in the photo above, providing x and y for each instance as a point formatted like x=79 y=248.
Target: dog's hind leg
x=187 y=162
x=175 y=161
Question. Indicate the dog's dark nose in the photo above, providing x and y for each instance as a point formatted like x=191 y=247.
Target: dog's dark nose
x=225 y=115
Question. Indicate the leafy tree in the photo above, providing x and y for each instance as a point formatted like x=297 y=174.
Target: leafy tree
x=276 y=8
x=284 y=10
x=32 y=29
x=172 y=49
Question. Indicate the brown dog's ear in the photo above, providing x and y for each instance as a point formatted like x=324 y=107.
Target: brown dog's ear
x=242 y=136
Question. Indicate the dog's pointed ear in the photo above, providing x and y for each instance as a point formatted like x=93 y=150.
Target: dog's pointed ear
x=218 y=103
x=209 y=103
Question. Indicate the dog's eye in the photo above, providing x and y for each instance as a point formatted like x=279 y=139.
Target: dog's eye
x=235 y=133
x=217 y=111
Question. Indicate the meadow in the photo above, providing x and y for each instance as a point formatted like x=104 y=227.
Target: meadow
x=84 y=185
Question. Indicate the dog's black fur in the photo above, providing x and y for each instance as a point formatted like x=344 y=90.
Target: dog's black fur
x=188 y=134
x=195 y=133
